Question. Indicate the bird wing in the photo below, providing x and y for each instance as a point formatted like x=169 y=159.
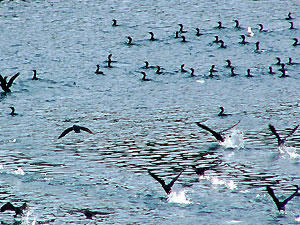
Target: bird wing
x=86 y=129
x=292 y=196
x=275 y=199
x=65 y=132
x=230 y=127
x=10 y=82
x=157 y=178
x=8 y=206
x=293 y=131
x=217 y=135
x=170 y=185
x=273 y=130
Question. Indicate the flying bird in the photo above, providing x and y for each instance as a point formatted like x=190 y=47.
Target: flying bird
x=217 y=135
x=18 y=210
x=76 y=129
x=281 y=205
x=6 y=85
x=280 y=140
x=166 y=187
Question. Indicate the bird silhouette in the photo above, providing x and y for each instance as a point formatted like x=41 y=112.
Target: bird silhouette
x=281 y=141
x=217 y=135
x=166 y=187
x=10 y=207
x=76 y=129
x=6 y=85
x=281 y=205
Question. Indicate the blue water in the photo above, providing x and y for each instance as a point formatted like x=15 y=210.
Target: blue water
x=147 y=125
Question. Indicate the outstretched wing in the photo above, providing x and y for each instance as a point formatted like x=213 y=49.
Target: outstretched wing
x=170 y=185
x=231 y=127
x=10 y=82
x=8 y=206
x=157 y=178
x=275 y=199
x=292 y=196
x=273 y=130
x=293 y=131
x=65 y=132
x=86 y=129
x=217 y=135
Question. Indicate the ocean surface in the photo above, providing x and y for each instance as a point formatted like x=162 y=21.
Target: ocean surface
x=139 y=125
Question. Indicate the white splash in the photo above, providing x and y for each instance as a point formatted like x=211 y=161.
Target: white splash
x=234 y=140
x=200 y=81
x=19 y=171
x=27 y=218
x=179 y=197
x=231 y=185
x=289 y=151
x=216 y=181
x=250 y=33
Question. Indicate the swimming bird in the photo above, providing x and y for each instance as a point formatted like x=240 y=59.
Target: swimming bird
x=271 y=70
x=281 y=141
x=243 y=42
x=129 y=40
x=248 y=73
x=76 y=128
x=181 y=29
x=158 y=70
x=261 y=28
x=34 y=75
x=166 y=187
x=281 y=204
x=109 y=61
x=200 y=170
x=233 y=74
x=292 y=26
x=6 y=85
x=222 y=44
x=12 y=113
x=278 y=61
x=296 y=42
x=211 y=75
x=217 y=135
x=152 y=36
x=89 y=214
x=177 y=34
x=144 y=77
x=289 y=16
x=250 y=33
x=192 y=72
x=18 y=210
x=282 y=67
x=228 y=63
x=283 y=73
x=98 y=70
x=114 y=24
x=198 y=32
x=220 y=25
x=212 y=69
x=290 y=62
x=237 y=24
x=221 y=113
x=183 y=38
x=216 y=39
x=182 y=70
x=257 y=49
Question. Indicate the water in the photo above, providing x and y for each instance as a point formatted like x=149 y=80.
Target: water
x=147 y=125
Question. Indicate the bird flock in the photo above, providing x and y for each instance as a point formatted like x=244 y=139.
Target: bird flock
x=6 y=85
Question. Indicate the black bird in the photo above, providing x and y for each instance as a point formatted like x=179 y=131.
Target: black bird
x=248 y=73
x=158 y=70
x=6 y=85
x=183 y=38
x=211 y=75
x=146 y=65
x=278 y=61
x=282 y=67
x=281 y=205
x=228 y=64
x=271 y=70
x=182 y=70
x=222 y=44
x=217 y=135
x=177 y=34
x=257 y=49
x=76 y=129
x=18 y=210
x=89 y=214
x=109 y=61
x=221 y=113
x=34 y=75
x=233 y=74
x=289 y=16
x=198 y=32
x=220 y=25
x=13 y=111
x=281 y=141
x=217 y=39
x=152 y=36
x=283 y=75
x=168 y=187
x=292 y=26
x=261 y=28
x=98 y=70
x=114 y=23
x=212 y=69
x=181 y=29
x=237 y=24
x=144 y=77
x=129 y=40
x=192 y=72
x=200 y=171
x=290 y=62
x=243 y=42
x=296 y=42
